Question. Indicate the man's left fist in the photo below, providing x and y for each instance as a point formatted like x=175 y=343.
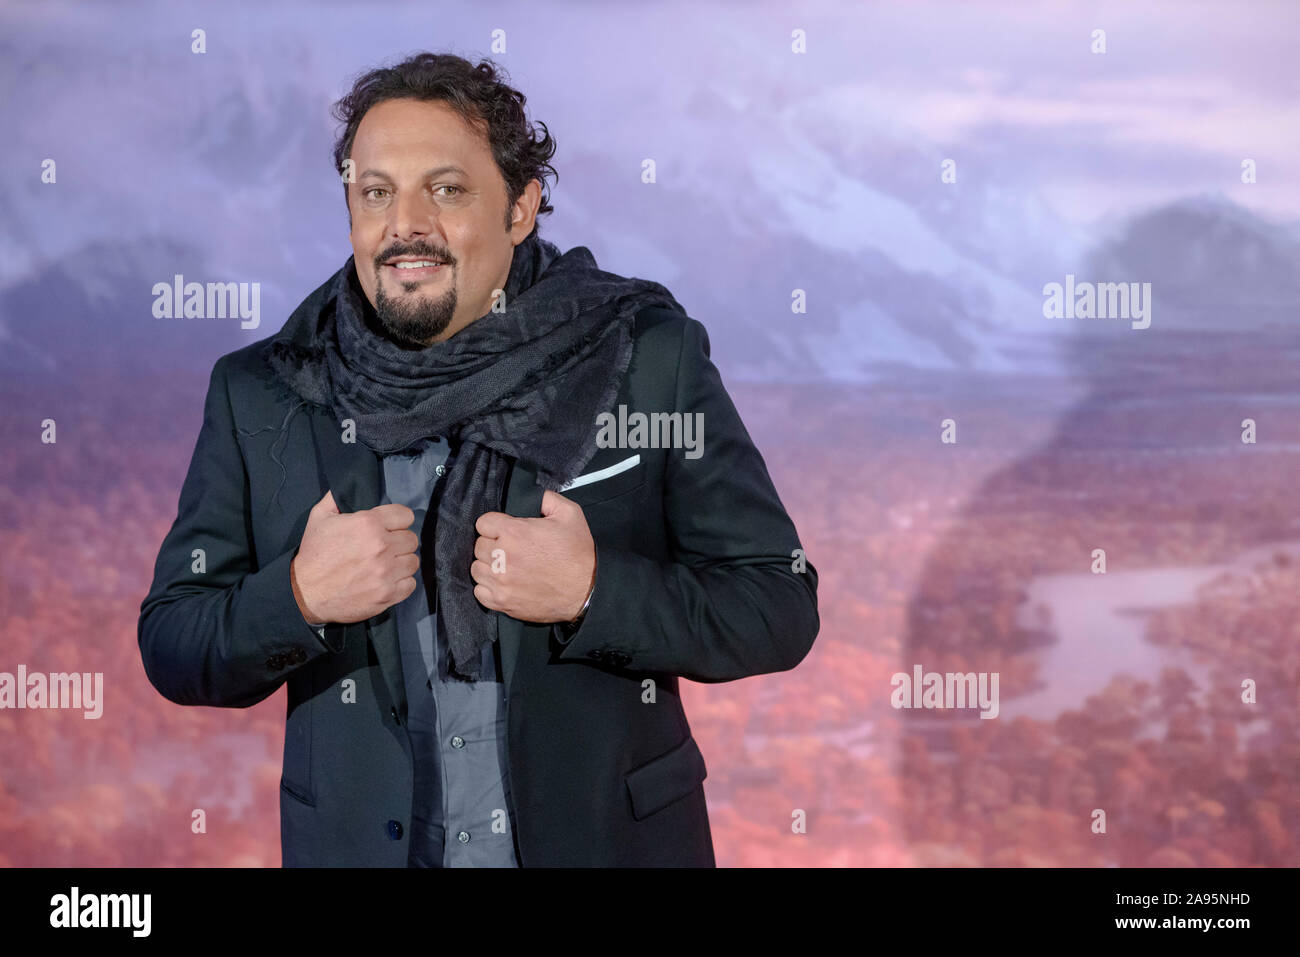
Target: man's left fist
x=535 y=569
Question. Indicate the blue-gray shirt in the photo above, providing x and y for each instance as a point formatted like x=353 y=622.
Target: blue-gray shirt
x=461 y=813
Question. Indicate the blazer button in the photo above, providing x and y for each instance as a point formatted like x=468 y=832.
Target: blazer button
x=596 y=653
x=393 y=712
x=394 y=830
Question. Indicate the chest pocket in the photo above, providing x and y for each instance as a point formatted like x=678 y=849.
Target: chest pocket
x=606 y=477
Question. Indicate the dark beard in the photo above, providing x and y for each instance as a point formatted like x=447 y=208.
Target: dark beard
x=414 y=324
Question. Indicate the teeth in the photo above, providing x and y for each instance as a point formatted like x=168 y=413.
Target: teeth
x=416 y=265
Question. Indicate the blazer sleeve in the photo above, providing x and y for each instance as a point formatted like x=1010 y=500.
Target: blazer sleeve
x=736 y=599
x=216 y=629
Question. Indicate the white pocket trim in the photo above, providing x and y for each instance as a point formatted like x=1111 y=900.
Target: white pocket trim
x=604 y=473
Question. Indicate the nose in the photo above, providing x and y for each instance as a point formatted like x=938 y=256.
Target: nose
x=414 y=218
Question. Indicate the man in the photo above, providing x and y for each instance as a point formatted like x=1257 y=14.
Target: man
x=419 y=505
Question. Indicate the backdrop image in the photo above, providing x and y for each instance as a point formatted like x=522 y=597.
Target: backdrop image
x=1006 y=295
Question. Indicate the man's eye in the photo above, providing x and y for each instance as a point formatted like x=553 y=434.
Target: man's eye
x=449 y=186
x=373 y=189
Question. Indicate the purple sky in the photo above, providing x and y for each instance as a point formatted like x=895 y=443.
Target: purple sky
x=776 y=170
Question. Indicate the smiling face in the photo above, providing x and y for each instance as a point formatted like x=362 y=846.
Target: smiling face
x=428 y=194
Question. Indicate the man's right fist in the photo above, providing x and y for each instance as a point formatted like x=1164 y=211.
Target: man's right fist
x=352 y=566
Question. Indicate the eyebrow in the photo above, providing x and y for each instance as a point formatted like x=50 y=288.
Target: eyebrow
x=436 y=171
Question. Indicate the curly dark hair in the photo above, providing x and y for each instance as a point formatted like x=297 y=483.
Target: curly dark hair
x=478 y=93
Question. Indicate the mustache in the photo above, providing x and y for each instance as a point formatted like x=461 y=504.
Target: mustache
x=427 y=252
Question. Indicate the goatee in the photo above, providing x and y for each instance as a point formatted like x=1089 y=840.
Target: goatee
x=413 y=321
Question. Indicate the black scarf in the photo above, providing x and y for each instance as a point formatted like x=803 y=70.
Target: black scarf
x=525 y=383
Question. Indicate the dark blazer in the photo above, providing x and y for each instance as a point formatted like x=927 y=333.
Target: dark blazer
x=695 y=577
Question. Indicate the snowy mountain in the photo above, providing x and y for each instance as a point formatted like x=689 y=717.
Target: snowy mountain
x=899 y=270
x=1213 y=265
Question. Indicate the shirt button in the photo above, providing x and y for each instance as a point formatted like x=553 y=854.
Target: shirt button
x=441 y=469
x=463 y=837
x=457 y=742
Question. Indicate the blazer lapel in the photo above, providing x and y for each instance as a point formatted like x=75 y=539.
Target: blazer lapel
x=354 y=474
x=523 y=500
